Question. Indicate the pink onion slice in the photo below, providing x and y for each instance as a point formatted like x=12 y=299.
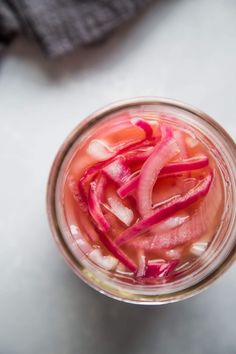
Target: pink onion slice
x=160 y=268
x=162 y=153
x=191 y=164
x=123 y=213
x=167 y=210
x=130 y=148
x=94 y=207
x=141 y=264
x=117 y=170
x=145 y=126
x=172 y=222
x=128 y=187
x=116 y=251
x=189 y=231
x=101 y=187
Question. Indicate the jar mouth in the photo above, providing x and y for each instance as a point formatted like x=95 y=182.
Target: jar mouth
x=208 y=267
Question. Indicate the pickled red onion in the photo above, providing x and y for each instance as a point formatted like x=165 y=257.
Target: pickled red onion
x=116 y=251
x=145 y=126
x=190 y=164
x=166 y=210
x=117 y=170
x=94 y=207
x=190 y=230
x=162 y=153
x=160 y=269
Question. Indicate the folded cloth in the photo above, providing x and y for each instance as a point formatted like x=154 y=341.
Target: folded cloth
x=59 y=26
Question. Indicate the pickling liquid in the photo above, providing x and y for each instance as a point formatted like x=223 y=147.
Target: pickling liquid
x=114 y=152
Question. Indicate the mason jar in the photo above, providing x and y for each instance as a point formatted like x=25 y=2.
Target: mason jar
x=207 y=268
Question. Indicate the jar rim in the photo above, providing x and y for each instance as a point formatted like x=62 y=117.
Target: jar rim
x=72 y=261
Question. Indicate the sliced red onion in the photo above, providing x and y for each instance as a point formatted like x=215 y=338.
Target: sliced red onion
x=171 y=223
x=128 y=187
x=162 y=153
x=105 y=262
x=117 y=170
x=94 y=206
x=171 y=168
x=123 y=213
x=198 y=248
x=191 y=164
x=189 y=231
x=167 y=210
x=144 y=125
x=141 y=264
x=160 y=268
x=93 y=170
x=116 y=251
x=101 y=187
x=100 y=150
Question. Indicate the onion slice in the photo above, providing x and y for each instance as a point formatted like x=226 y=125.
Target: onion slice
x=145 y=126
x=128 y=187
x=167 y=210
x=116 y=251
x=160 y=268
x=97 y=167
x=191 y=164
x=123 y=213
x=94 y=207
x=162 y=153
x=117 y=170
x=141 y=264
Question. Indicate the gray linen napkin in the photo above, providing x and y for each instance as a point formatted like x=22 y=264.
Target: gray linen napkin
x=60 y=26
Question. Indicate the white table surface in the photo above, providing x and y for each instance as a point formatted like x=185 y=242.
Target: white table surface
x=182 y=49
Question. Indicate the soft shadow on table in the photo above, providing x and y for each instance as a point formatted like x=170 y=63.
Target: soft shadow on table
x=113 y=49
x=115 y=326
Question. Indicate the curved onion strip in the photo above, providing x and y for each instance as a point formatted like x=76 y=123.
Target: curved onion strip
x=94 y=206
x=123 y=213
x=117 y=170
x=160 y=269
x=145 y=126
x=189 y=231
x=116 y=251
x=93 y=170
x=167 y=210
x=191 y=164
x=162 y=153
x=141 y=264
x=128 y=187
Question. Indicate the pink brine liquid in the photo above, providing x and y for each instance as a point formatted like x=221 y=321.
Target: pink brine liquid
x=143 y=196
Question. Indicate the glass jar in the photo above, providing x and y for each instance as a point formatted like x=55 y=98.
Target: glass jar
x=207 y=268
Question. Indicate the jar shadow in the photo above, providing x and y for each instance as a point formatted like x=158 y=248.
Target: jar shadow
x=111 y=326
